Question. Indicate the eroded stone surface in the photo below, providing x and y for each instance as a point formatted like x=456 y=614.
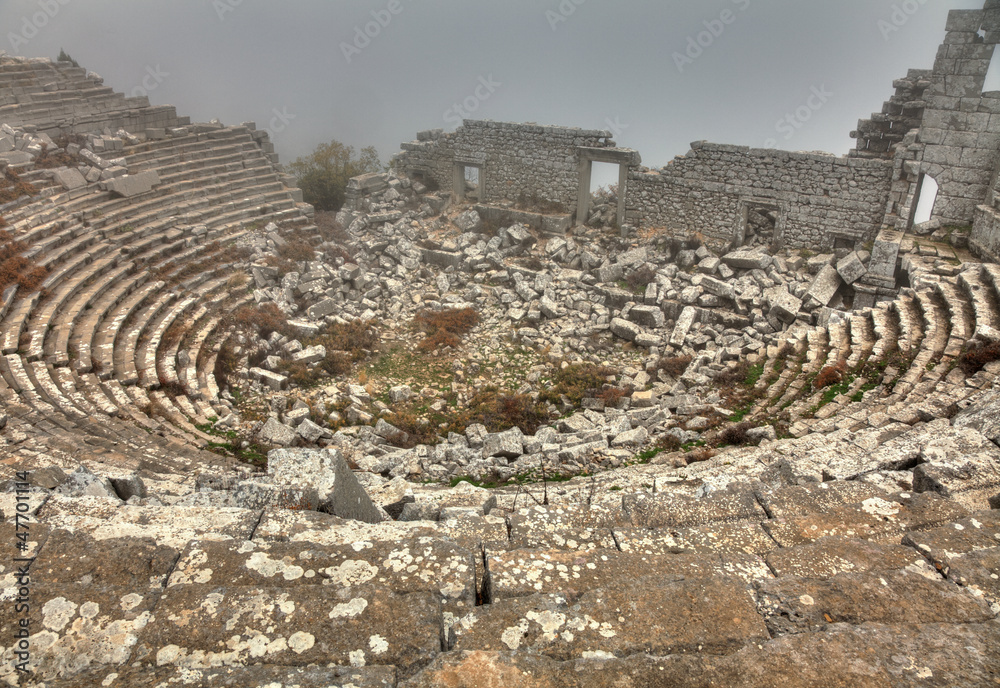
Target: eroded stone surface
x=296 y=626
x=829 y=556
x=793 y=605
x=657 y=614
x=418 y=565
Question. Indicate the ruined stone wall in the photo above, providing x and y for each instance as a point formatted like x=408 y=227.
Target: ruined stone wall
x=880 y=135
x=518 y=160
x=960 y=132
x=820 y=197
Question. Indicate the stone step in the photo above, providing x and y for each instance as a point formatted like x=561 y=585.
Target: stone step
x=801 y=605
x=632 y=616
x=983 y=299
x=110 y=326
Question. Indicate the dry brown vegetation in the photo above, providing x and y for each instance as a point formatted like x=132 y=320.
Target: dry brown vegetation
x=444 y=328
x=12 y=188
x=48 y=160
x=977 y=355
x=639 y=278
x=830 y=375
x=15 y=268
x=674 y=366
x=577 y=382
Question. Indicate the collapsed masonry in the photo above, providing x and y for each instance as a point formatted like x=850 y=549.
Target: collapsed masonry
x=939 y=125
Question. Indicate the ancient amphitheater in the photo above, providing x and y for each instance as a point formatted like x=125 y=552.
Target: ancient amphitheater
x=755 y=418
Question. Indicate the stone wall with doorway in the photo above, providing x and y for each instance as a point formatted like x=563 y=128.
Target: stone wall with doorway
x=820 y=198
x=519 y=162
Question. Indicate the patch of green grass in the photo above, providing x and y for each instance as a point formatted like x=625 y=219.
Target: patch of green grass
x=753 y=375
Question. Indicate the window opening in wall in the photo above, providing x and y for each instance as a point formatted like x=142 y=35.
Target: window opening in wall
x=927 y=191
x=992 y=82
x=603 y=211
x=761 y=223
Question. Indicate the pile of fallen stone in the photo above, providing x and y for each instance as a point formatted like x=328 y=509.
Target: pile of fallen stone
x=97 y=157
x=574 y=298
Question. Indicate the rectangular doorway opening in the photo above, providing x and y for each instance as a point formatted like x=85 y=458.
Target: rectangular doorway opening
x=604 y=195
x=761 y=223
x=468 y=182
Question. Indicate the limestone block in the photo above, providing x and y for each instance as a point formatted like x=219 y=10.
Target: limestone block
x=823 y=287
x=338 y=491
x=625 y=329
x=647 y=316
x=69 y=177
x=508 y=444
x=851 y=269
x=277 y=433
x=747 y=260
x=133 y=184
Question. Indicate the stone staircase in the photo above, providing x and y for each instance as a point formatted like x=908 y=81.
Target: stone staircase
x=901 y=356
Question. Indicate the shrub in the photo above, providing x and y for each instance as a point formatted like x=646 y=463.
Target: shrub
x=500 y=411
x=736 y=434
x=612 y=395
x=358 y=338
x=977 y=355
x=639 y=278
x=15 y=268
x=296 y=249
x=830 y=375
x=674 y=366
x=445 y=328
x=577 y=381
x=260 y=320
x=12 y=188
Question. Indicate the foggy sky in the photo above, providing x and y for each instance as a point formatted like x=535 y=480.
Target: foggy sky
x=316 y=70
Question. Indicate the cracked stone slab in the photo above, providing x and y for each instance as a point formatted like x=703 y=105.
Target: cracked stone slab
x=78 y=626
x=795 y=605
x=724 y=537
x=635 y=615
x=868 y=656
x=419 y=565
x=832 y=555
x=297 y=626
x=882 y=520
x=137 y=564
x=567 y=526
x=519 y=573
x=815 y=498
x=282 y=525
x=265 y=676
x=979 y=571
x=962 y=464
x=680 y=510
x=940 y=545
